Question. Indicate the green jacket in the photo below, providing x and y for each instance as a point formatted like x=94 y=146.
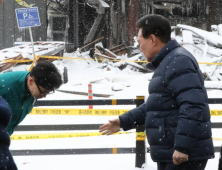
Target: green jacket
x=13 y=89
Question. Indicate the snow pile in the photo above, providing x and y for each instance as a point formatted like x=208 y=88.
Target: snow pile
x=206 y=48
x=209 y=36
x=106 y=77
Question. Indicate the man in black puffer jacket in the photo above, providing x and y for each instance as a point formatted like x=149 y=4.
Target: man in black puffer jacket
x=176 y=114
x=6 y=160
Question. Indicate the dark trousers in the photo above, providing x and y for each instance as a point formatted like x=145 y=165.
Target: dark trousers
x=196 y=165
x=220 y=160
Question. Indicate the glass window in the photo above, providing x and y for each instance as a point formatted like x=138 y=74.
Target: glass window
x=58 y=36
x=59 y=23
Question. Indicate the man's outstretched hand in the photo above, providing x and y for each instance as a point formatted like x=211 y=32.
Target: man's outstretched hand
x=109 y=128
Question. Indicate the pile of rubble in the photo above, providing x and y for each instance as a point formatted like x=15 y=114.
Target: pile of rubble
x=205 y=46
x=25 y=52
x=120 y=56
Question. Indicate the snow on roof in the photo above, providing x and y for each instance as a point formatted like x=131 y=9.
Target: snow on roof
x=41 y=48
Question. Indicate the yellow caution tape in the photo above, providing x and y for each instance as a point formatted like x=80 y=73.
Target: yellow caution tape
x=216 y=112
x=34 y=61
x=58 y=57
x=92 y=112
x=67 y=58
x=217 y=139
x=73 y=58
x=59 y=135
x=23 y=3
x=70 y=58
x=210 y=63
x=16 y=61
x=140 y=136
x=80 y=112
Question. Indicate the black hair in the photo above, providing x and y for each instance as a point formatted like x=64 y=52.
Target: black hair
x=46 y=75
x=156 y=25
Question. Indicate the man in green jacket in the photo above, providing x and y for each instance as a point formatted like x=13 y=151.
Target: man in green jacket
x=21 y=89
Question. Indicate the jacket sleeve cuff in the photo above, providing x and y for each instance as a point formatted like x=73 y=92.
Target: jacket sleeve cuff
x=182 y=150
x=124 y=126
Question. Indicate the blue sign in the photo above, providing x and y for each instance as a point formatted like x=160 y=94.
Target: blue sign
x=27 y=17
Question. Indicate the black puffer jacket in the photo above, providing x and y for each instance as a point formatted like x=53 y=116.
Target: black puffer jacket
x=176 y=114
x=6 y=160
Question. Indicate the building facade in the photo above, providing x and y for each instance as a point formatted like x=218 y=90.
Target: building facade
x=9 y=31
x=78 y=23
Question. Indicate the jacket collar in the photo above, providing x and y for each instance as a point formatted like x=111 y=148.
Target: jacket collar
x=23 y=86
x=161 y=54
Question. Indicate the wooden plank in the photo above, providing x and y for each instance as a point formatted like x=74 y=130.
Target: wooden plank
x=140 y=68
x=94 y=28
x=84 y=93
x=117 y=47
x=91 y=43
x=120 y=52
x=105 y=51
x=102 y=56
x=7 y=65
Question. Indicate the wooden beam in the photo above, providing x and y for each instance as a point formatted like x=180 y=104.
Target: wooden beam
x=89 y=44
x=84 y=93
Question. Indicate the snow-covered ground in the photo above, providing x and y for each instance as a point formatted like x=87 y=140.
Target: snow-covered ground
x=80 y=74
x=106 y=78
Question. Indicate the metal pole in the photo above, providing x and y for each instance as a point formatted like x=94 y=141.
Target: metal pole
x=90 y=94
x=140 y=139
x=33 y=50
x=65 y=75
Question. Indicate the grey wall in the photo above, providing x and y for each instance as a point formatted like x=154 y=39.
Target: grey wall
x=9 y=31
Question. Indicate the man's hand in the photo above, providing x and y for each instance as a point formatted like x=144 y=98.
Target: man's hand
x=109 y=128
x=179 y=157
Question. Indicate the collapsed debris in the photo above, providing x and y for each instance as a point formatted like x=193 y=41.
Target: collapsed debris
x=122 y=56
x=7 y=65
x=205 y=46
x=24 y=52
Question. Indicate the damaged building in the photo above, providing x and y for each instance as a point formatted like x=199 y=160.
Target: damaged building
x=80 y=22
x=115 y=20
